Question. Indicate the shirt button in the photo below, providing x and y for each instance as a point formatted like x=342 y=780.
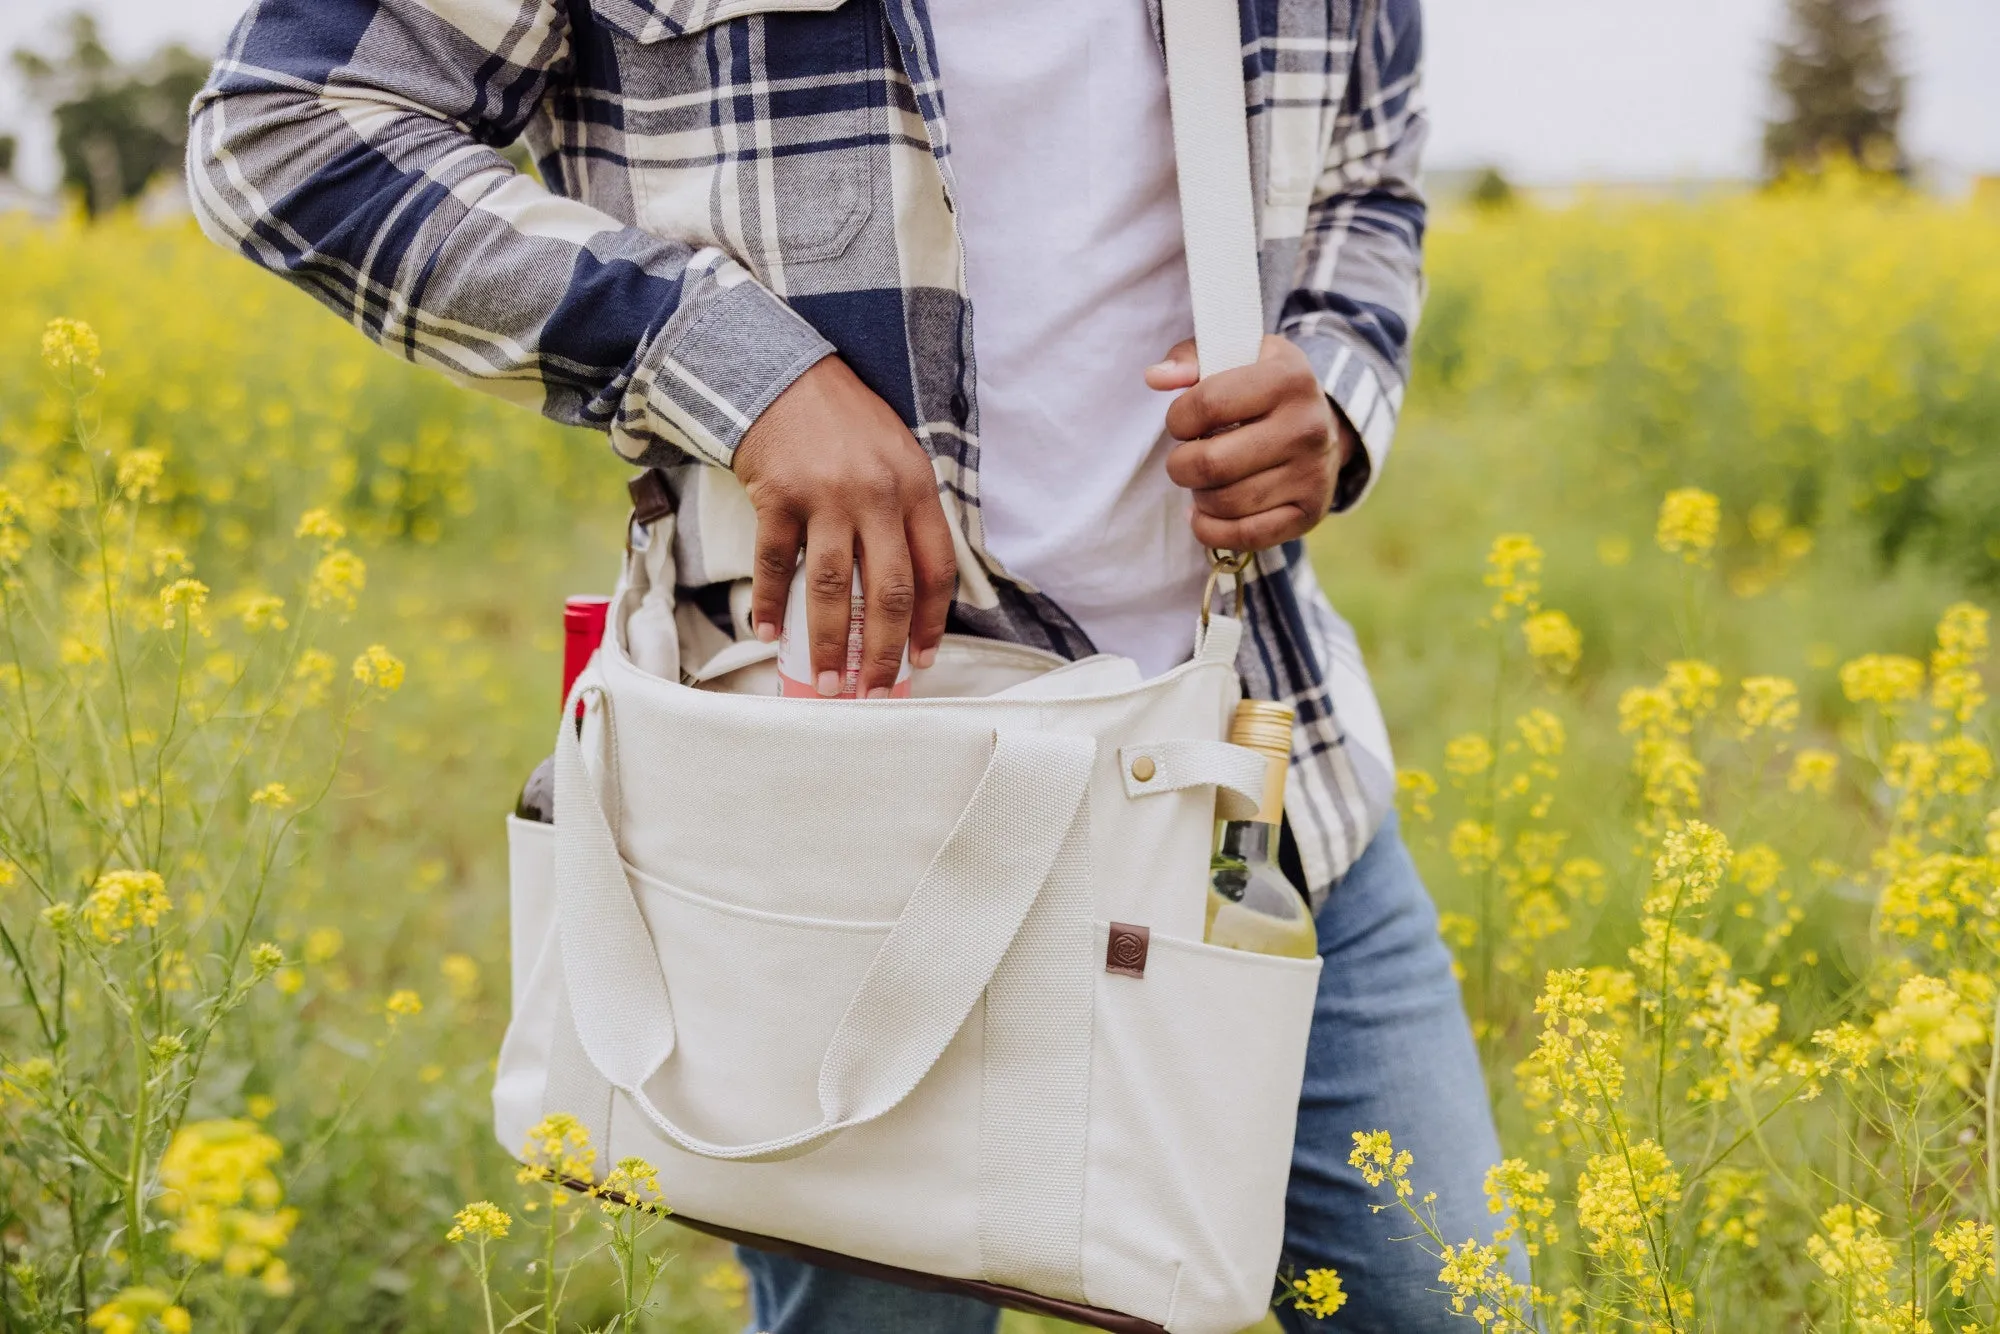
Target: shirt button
x=961 y=407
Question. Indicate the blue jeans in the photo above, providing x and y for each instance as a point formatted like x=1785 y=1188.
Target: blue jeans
x=1390 y=1051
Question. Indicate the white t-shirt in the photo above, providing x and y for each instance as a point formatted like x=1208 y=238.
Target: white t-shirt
x=1067 y=203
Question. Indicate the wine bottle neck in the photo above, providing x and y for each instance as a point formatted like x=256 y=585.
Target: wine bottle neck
x=1248 y=840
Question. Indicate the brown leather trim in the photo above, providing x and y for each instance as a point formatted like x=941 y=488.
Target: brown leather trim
x=652 y=500
x=1125 y=948
x=991 y=1293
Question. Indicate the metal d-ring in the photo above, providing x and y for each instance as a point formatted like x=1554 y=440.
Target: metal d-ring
x=1222 y=562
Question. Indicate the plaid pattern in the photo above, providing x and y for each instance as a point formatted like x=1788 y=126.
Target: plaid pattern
x=736 y=188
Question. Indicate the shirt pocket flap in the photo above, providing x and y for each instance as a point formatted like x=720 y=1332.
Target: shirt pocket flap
x=655 y=20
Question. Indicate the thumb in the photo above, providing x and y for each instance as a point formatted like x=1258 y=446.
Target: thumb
x=1177 y=370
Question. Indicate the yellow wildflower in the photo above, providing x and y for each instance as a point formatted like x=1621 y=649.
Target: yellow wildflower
x=320 y=525
x=1416 y=787
x=323 y=943
x=1542 y=732
x=1521 y=1193
x=264 y=611
x=1318 y=1294
x=1692 y=684
x=1474 y=846
x=217 y=1182
x=314 y=674
x=139 y=472
x=189 y=595
x=1648 y=711
x=275 y=795
x=1956 y=686
x=461 y=974
x=1621 y=1200
x=1885 y=679
x=1514 y=572
x=1553 y=641
x=558 y=1148
x=1929 y=1022
x=727 y=1281
x=70 y=347
x=266 y=958
x=633 y=1183
x=130 y=1311
x=481 y=1218
x=1768 y=701
x=403 y=1004
x=1468 y=756
x=1966 y=1246
x=289 y=981
x=260 y=1106
x=1757 y=868
x=337 y=580
x=1813 y=770
x=1689 y=520
x=121 y=900
x=1964 y=766
x=1850 y=1251
x=1378 y=1160
x=379 y=668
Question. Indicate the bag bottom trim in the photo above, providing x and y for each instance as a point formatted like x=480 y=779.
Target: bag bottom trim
x=994 y=1294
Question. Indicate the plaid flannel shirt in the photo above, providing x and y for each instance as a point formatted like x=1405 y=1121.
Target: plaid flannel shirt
x=732 y=189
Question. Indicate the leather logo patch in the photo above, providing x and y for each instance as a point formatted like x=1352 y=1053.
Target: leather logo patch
x=1125 y=950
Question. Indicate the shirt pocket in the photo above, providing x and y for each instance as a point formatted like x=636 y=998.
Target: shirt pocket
x=752 y=125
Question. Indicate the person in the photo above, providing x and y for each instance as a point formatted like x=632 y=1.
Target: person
x=907 y=277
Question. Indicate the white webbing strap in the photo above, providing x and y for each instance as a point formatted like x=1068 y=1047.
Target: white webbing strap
x=1212 y=156
x=955 y=929
x=1034 y=1104
x=1237 y=773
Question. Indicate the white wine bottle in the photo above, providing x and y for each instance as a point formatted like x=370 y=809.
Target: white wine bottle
x=1251 y=904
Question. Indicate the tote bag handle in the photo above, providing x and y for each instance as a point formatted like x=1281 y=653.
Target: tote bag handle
x=1212 y=158
x=916 y=995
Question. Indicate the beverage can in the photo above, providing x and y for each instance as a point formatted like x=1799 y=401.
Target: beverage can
x=795 y=667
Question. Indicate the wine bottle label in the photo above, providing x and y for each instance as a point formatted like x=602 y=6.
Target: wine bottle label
x=795 y=666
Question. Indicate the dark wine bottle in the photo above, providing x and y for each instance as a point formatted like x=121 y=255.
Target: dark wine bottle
x=583 y=630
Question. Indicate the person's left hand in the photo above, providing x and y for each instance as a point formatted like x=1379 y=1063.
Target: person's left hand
x=1262 y=446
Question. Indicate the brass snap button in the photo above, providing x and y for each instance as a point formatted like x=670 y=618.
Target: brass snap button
x=1143 y=769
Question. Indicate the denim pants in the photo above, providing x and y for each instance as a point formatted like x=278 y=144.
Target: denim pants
x=1390 y=1050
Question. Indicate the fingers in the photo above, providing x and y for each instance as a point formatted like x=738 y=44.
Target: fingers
x=1245 y=393
x=829 y=598
x=935 y=570
x=1177 y=370
x=779 y=537
x=889 y=595
x=1221 y=460
x=1273 y=527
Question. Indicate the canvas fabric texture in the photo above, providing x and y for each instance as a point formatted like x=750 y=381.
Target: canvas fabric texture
x=729 y=191
x=886 y=1027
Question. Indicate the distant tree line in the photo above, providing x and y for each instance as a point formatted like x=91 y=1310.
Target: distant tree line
x=1839 y=89
x=118 y=126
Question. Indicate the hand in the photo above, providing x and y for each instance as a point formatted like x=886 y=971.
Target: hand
x=1262 y=446
x=829 y=466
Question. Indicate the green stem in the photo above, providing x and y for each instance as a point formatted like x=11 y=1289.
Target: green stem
x=135 y=1207
x=549 y=1271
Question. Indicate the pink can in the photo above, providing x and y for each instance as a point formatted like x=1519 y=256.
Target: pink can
x=795 y=668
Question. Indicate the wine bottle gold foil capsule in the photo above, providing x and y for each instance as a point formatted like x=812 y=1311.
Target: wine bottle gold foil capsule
x=1266 y=727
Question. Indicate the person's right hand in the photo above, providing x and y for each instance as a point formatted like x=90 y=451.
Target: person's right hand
x=830 y=467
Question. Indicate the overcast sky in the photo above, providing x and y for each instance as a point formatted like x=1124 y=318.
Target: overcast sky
x=1550 y=90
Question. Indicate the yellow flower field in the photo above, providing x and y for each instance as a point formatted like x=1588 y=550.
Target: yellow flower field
x=1676 y=593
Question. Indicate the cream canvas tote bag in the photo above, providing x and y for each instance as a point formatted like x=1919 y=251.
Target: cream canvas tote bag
x=921 y=983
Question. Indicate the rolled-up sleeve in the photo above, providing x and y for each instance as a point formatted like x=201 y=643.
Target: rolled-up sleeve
x=353 y=147
x=1354 y=306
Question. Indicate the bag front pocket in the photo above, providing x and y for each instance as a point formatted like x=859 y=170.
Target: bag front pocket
x=1195 y=1072
x=756 y=998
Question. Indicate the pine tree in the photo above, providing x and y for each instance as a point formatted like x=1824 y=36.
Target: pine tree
x=1839 y=87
